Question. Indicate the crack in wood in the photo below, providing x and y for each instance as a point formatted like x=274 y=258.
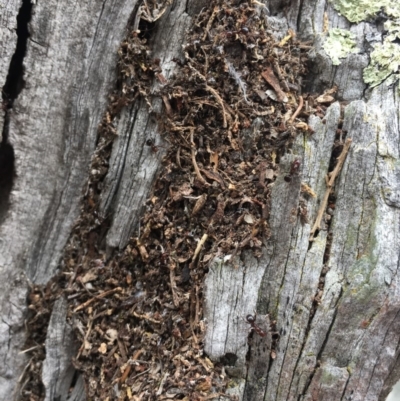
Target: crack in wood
x=11 y=89
x=14 y=81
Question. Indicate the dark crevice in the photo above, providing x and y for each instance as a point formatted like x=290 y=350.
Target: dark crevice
x=319 y=356
x=299 y=15
x=146 y=29
x=11 y=89
x=335 y=153
x=15 y=81
x=6 y=175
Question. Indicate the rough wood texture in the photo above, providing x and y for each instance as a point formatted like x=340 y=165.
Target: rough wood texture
x=8 y=40
x=133 y=165
x=348 y=348
x=69 y=71
x=58 y=372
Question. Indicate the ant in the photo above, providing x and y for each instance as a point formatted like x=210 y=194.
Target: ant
x=251 y=320
x=244 y=30
x=154 y=147
x=235 y=34
x=294 y=170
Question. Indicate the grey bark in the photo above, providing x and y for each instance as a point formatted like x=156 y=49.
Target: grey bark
x=69 y=71
x=57 y=373
x=348 y=349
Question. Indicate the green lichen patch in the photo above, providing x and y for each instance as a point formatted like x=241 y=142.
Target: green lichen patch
x=385 y=58
x=361 y=10
x=393 y=27
x=339 y=44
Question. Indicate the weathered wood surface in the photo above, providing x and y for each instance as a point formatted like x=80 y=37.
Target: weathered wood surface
x=69 y=72
x=349 y=348
x=8 y=40
x=133 y=165
x=57 y=374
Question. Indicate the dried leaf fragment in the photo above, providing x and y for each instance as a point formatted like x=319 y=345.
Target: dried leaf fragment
x=214 y=160
x=269 y=76
x=103 y=348
x=204 y=385
x=184 y=190
x=248 y=218
x=142 y=250
x=214 y=176
x=199 y=204
x=112 y=334
x=302 y=125
x=325 y=99
x=89 y=276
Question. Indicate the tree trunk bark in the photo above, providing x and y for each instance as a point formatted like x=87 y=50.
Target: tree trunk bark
x=326 y=291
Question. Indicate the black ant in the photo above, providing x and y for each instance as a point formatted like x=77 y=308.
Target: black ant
x=154 y=147
x=294 y=170
x=244 y=30
x=251 y=320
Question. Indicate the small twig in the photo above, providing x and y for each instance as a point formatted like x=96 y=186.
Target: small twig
x=73 y=276
x=198 y=248
x=172 y=280
x=125 y=374
x=122 y=350
x=30 y=349
x=210 y=21
x=178 y=157
x=163 y=380
x=264 y=113
x=194 y=312
x=140 y=374
x=296 y=113
x=205 y=61
x=220 y=102
x=135 y=361
x=24 y=370
x=145 y=317
x=177 y=128
x=97 y=297
x=197 y=306
x=329 y=184
x=88 y=331
x=73 y=296
x=195 y=166
x=167 y=105
x=210 y=89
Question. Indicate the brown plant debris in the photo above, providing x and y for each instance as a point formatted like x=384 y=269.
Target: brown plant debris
x=138 y=312
x=330 y=181
x=41 y=300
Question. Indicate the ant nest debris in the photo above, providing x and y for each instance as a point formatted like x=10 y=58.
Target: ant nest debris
x=233 y=107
